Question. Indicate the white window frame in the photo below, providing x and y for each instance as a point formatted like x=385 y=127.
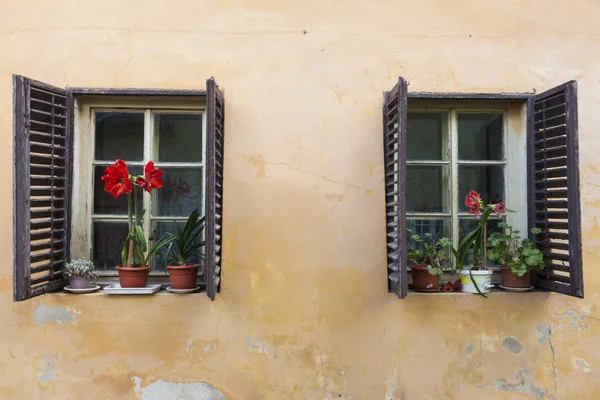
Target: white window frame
x=514 y=162
x=83 y=160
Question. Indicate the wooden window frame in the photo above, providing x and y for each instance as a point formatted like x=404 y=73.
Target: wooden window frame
x=84 y=162
x=395 y=132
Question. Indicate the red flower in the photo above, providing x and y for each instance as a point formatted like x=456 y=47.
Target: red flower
x=116 y=179
x=499 y=208
x=152 y=178
x=473 y=201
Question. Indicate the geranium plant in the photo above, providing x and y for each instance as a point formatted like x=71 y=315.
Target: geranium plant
x=508 y=248
x=430 y=252
x=477 y=237
x=118 y=181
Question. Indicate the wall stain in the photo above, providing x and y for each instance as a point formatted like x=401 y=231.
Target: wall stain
x=512 y=345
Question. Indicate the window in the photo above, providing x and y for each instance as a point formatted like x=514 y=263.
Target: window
x=451 y=151
x=437 y=147
x=60 y=207
x=172 y=134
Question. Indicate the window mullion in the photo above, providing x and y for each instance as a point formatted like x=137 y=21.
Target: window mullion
x=454 y=176
x=148 y=147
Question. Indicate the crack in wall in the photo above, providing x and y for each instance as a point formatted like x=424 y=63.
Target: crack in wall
x=553 y=360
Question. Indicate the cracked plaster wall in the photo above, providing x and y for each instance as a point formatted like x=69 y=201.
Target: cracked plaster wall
x=304 y=312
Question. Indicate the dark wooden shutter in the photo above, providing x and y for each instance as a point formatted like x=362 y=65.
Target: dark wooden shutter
x=215 y=107
x=41 y=179
x=553 y=178
x=394 y=153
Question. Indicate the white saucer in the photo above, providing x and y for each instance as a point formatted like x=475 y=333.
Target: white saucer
x=514 y=289
x=182 y=291
x=88 y=289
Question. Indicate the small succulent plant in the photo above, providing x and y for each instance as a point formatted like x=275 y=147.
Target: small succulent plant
x=80 y=267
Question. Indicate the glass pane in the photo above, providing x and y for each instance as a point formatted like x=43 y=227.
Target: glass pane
x=427 y=136
x=161 y=230
x=465 y=225
x=108 y=238
x=486 y=180
x=119 y=135
x=426 y=188
x=438 y=228
x=179 y=137
x=480 y=136
x=181 y=193
x=104 y=202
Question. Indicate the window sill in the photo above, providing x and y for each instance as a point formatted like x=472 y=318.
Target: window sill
x=493 y=292
x=163 y=291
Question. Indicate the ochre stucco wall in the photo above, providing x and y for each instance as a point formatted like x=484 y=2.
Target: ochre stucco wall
x=304 y=311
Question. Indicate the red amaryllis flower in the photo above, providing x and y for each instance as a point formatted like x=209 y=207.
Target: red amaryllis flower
x=152 y=178
x=116 y=179
x=499 y=208
x=473 y=201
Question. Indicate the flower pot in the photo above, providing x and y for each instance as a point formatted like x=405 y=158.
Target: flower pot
x=513 y=281
x=423 y=281
x=79 y=282
x=483 y=279
x=133 y=277
x=184 y=276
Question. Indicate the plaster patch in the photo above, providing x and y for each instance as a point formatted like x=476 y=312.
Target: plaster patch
x=512 y=345
x=47 y=373
x=581 y=365
x=469 y=350
x=188 y=345
x=209 y=348
x=542 y=332
x=161 y=390
x=47 y=314
x=524 y=384
x=260 y=346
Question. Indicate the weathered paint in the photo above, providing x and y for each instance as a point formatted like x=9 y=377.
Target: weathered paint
x=304 y=311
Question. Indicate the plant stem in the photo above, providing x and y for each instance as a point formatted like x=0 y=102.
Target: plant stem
x=484 y=245
x=131 y=231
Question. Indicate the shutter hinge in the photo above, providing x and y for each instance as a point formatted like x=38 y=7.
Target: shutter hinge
x=27 y=120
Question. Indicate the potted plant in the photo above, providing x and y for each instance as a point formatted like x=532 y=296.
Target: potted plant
x=428 y=257
x=135 y=253
x=80 y=273
x=476 y=278
x=188 y=244
x=517 y=256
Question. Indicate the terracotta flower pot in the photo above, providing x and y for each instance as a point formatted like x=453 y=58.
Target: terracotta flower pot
x=133 y=277
x=79 y=282
x=184 y=276
x=511 y=280
x=423 y=281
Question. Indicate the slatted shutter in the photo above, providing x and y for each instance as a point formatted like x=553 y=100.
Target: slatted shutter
x=41 y=179
x=214 y=185
x=394 y=153
x=553 y=180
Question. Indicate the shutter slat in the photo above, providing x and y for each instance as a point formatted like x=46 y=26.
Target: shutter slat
x=553 y=180
x=394 y=142
x=42 y=143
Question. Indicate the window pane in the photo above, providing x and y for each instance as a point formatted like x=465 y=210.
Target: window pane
x=104 y=202
x=438 y=228
x=487 y=180
x=480 y=136
x=181 y=193
x=161 y=230
x=427 y=136
x=426 y=188
x=465 y=225
x=119 y=135
x=179 y=137
x=108 y=238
